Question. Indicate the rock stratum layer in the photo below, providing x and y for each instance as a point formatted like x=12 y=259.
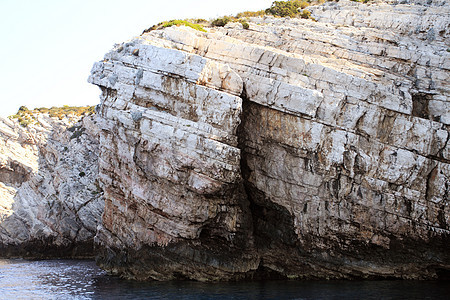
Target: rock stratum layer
x=50 y=201
x=293 y=149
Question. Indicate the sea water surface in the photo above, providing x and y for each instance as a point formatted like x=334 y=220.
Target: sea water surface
x=78 y=279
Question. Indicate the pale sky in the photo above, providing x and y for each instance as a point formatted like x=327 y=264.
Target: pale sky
x=47 y=47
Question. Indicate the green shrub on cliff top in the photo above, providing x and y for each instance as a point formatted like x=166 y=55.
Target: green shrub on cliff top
x=23 y=109
x=245 y=25
x=220 y=22
x=183 y=22
x=305 y=14
x=286 y=8
x=25 y=116
x=170 y=23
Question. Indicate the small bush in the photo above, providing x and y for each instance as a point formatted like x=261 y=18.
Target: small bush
x=302 y=4
x=77 y=133
x=23 y=109
x=286 y=8
x=305 y=14
x=220 y=22
x=74 y=128
x=245 y=25
x=24 y=121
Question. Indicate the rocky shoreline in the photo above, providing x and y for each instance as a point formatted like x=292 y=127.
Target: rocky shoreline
x=294 y=148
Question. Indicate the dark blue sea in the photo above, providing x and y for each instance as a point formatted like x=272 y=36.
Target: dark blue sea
x=75 y=279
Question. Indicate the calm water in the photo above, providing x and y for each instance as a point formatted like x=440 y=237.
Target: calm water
x=69 y=279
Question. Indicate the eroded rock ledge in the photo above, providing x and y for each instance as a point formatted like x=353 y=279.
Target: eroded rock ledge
x=294 y=149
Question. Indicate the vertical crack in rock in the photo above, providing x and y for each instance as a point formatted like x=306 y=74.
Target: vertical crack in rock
x=273 y=227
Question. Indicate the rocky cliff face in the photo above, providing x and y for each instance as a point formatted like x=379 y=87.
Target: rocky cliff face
x=295 y=148
x=50 y=201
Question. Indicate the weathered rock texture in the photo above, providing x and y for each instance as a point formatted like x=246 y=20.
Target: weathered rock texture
x=50 y=201
x=297 y=149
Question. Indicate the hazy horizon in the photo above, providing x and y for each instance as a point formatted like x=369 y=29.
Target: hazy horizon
x=49 y=47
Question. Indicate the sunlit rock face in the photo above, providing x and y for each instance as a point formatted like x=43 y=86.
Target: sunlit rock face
x=50 y=201
x=293 y=149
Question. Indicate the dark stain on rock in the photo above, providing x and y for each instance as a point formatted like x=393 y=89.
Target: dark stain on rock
x=441 y=218
x=13 y=173
x=385 y=126
x=48 y=248
x=420 y=105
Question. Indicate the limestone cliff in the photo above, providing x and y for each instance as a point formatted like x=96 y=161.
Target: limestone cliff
x=294 y=148
x=50 y=201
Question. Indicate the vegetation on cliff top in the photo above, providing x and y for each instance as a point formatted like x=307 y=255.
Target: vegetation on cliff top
x=193 y=23
x=289 y=8
x=26 y=116
x=286 y=8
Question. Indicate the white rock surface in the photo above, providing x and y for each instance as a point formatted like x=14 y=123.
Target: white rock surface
x=337 y=130
x=50 y=202
x=343 y=140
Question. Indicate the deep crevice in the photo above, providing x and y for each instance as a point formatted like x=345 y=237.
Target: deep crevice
x=273 y=225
